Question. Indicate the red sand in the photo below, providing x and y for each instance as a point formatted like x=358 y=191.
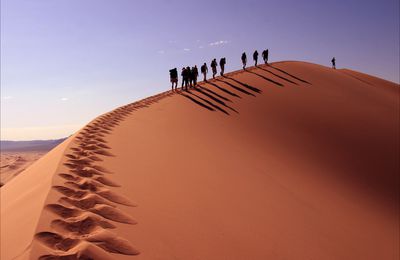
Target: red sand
x=289 y=161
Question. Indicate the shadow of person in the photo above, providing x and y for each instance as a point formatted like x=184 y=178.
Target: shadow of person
x=287 y=73
x=214 y=98
x=214 y=93
x=196 y=101
x=257 y=90
x=267 y=79
x=223 y=89
x=209 y=103
x=236 y=87
x=279 y=76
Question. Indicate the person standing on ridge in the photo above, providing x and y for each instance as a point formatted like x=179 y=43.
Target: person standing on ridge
x=173 y=74
x=265 y=56
x=333 y=63
x=214 y=67
x=244 y=60
x=222 y=63
x=195 y=74
x=190 y=76
x=184 y=75
x=204 y=70
x=255 y=57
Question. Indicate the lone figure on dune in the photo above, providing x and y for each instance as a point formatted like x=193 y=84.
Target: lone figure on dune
x=214 y=67
x=222 y=63
x=333 y=63
x=204 y=70
x=244 y=60
x=255 y=57
x=173 y=74
x=265 y=56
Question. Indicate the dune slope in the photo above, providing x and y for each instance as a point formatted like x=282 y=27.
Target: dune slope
x=288 y=161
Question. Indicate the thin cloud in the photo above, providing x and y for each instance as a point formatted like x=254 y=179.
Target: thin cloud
x=7 y=97
x=161 y=52
x=64 y=99
x=186 y=49
x=218 y=43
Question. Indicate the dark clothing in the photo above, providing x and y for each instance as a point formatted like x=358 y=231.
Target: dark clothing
x=255 y=57
x=185 y=78
x=334 y=63
x=214 y=67
x=173 y=74
x=244 y=60
x=222 y=63
x=204 y=70
x=195 y=74
x=265 y=56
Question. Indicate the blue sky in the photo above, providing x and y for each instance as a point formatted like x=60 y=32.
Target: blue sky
x=63 y=62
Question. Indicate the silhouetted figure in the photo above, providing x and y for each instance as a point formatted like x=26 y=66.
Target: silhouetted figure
x=195 y=73
x=173 y=74
x=214 y=67
x=222 y=63
x=244 y=60
x=204 y=70
x=185 y=78
x=333 y=63
x=190 y=76
x=265 y=56
x=255 y=57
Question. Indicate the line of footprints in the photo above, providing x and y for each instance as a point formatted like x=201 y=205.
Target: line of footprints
x=88 y=207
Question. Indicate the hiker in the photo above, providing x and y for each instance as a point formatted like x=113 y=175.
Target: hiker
x=214 y=67
x=255 y=57
x=204 y=70
x=173 y=74
x=195 y=74
x=244 y=60
x=184 y=75
x=222 y=63
x=265 y=56
x=189 y=76
x=333 y=63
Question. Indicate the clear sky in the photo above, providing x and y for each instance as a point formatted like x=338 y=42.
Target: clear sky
x=64 y=62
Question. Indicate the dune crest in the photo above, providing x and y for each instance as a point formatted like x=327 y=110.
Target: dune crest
x=288 y=161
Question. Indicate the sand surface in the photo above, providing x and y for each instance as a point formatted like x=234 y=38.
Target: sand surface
x=289 y=161
x=13 y=163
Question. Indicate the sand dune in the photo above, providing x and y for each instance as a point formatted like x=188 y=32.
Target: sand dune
x=16 y=156
x=288 y=161
x=13 y=163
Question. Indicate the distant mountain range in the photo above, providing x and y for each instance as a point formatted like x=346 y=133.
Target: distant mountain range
x=35 y=145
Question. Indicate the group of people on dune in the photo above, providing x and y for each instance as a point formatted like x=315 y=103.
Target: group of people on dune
x=190 y=75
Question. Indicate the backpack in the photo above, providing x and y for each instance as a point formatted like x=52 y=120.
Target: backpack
x=203 y=68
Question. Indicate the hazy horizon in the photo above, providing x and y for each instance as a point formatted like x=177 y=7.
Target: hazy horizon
x=63 y=63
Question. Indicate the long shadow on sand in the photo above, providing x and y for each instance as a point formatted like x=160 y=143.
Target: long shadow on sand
x=236 y=87
x=203 y=96
x=257 y=90
x=267 y=79
x=279 y=76
x=196 y=101
x=222 y=89
x=214 y=93
x=211 y=100
x=290 y=75
x=200 y=89
x=209 y=103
